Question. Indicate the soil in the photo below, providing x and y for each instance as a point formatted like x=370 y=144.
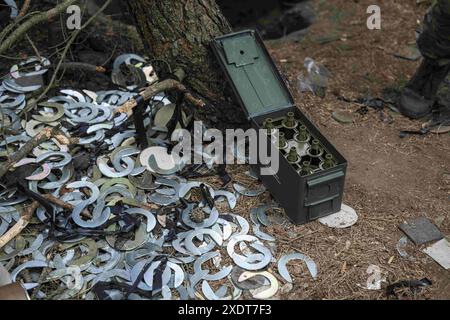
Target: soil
x=389 y=179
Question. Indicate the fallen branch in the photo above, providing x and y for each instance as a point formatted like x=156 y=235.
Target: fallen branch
x=8 y=29
x=165 y=85
x=45 y=135
x=20 y=224
x=33 y=21
x=65 y=205
x=25 y=7
x=28 y=213
x=151 y=91
x=81 y=66
x=36 y=51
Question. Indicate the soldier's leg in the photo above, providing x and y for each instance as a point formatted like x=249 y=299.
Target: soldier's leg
x=434 y=42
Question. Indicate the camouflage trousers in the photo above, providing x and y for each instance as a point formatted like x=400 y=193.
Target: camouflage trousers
x=434 y=41
x=434 y=44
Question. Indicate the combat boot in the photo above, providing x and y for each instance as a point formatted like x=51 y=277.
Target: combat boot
x=417 y=99
x=413 y=105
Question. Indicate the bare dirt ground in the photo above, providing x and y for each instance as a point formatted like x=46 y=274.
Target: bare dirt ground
x=389 y=179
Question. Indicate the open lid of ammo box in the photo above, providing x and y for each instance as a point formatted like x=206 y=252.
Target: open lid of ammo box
x=251 y=72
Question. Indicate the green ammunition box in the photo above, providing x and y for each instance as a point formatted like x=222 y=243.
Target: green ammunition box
x=262 y=93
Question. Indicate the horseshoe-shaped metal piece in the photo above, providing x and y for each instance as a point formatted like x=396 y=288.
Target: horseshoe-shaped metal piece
x=96 y=127
x=46 y=169
x=55 y=165
x=86 y=117
x=14 y=101
x=28 y=265
x=227 y=229
x=112 y=262
x=154 y=167
x=76 y=212
x=231 y=198
x=210 y=221
x=38 y=63
x=282 y=269
x=33 y=127
x=151 y=220
x=118 y=138
x=122 y=152
x=74 y=274
x=245 y=262
x=98 y=136
x=178 y=277
x=149 y=274
x=126 y=58
x=262 y=235
x=11 y=85
x=141 y=237
x=224 y=272
x=162 y=200
x=85 y=260
x=119 y=273
x=196 y=233
x=108 y=183
x=193 y=281
x=176 y=244
x=74 y=94
x=102 y=163
x=210 y=294
x=66 y=174
x=124 y=192
x=261 y=213
x=23 y=162
x=106 y=114
x=243 y=223
x=50 y=117
x=184 y=188
x=261 y=293
x=247 y=192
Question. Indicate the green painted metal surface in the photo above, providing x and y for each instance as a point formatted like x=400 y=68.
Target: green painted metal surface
x=253 y=74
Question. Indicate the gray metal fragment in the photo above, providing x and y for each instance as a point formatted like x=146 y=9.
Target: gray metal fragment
x=247 y=192
x=282 y=270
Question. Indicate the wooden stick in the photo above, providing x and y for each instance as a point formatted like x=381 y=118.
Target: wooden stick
x=45 y=135
x=20 y=225
x=25 y=7
x=35 y=49
x=65 y=205
x=151 y=91
x=28 y=213
x=77 y=66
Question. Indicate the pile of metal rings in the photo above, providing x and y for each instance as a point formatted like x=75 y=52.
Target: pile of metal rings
x=169 y=254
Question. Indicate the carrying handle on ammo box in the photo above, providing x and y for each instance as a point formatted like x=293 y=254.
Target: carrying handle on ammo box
x=323 y=180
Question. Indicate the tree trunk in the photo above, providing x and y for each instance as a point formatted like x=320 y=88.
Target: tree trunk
x=179 y=32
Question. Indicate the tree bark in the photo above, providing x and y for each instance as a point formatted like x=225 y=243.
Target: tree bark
x=179 y=32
